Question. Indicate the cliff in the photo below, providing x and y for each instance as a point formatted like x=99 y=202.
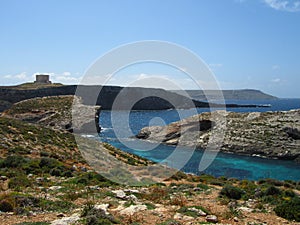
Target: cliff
x=107 y=96
x=269 y=134
x=56 y=112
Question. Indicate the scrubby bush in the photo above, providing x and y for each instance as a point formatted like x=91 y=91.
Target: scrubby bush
x=157 y=194
x=19 y=182
x=33 y=223
x=67 y=173
x=289 y=193
x=49 y=163
x=272 y=190
x=95 y=216
x=19 y=150
x=232 y=192
x=289 y=209
x=13 y=161
x=170 y=222
x=6 y=206
x=178 y=176
x=203 y=186
x=55 y=172
x=57 y=206
x=92 y=178
x=188 y=211
x=271 y=182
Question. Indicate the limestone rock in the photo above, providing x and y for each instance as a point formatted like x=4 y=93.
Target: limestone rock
x=133 y=209
x=265 y=134
x=103 y=207
x=119 y=194
x=246 y=209
x=212 y=218
x=67 y=220
x=178 y=216
x=198 y=211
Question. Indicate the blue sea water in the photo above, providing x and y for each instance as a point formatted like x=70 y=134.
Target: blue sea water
x=229 y=165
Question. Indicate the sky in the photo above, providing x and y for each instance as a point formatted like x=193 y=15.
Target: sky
x=248 y=44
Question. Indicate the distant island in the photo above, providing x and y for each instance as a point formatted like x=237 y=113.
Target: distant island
x=242 y=94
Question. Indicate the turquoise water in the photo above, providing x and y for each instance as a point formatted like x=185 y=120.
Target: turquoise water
x=229 y=165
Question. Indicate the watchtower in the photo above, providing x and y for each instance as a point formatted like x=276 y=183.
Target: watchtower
x=42 y=79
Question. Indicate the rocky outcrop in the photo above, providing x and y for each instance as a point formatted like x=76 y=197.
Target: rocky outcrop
x=58 y=112
x=268 y=134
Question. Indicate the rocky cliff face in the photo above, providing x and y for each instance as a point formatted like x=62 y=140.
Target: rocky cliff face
x=56 y=112
x=269 y=134
x=146 y=98
x=106 y=96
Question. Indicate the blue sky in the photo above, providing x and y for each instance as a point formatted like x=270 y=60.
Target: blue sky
x=247 y=43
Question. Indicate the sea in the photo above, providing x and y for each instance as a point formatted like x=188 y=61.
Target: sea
x=119 y=135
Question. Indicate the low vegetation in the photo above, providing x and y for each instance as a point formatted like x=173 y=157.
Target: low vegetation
x=43 y=173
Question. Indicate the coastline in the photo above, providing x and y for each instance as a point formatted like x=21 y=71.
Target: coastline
x=273 y=135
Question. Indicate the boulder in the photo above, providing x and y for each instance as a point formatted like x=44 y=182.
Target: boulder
x=67 y=220
x=133 y=209
x=212 y=218
x=119 y=194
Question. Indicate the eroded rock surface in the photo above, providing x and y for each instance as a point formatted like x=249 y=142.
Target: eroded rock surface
x=268 y=134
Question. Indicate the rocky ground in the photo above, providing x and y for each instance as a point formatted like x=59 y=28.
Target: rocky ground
x=268 y=134
x=45 y=180
x=176 y=202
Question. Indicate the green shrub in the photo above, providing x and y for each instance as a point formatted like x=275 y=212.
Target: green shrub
x=19 y=150
x=178 y=176
x=56 y=172
x=96 y=216
x=56 y=206
x=44 y=154
x=170 y=222
x=32 y=166
x=33 y=223
x=150 y=206
x=67 y=173
x=232 y=192
x=289 y=193
x=19 y=182
x=49 y=163
x=203 y=186
x=13 y=161
x=6 y=206
x=188 y=212
x=272 y=190
x=92 y=178
x=271 y=182
x=289 y=209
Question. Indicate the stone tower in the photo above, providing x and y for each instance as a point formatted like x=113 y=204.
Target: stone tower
x=42 y=79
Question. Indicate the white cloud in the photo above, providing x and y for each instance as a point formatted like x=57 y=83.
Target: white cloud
x=276 y=80
x=284 y=5
x=64 y=78
x=275 y=67
x=214 y=65
x=18 y=77
x=66 y=73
